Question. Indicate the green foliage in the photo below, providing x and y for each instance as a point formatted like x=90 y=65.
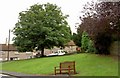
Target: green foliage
x=103 y=41
x=87 y=44
x=91 y=47
x=101 y=20
x=84 y=41
x=77 y=39
x=41 y=26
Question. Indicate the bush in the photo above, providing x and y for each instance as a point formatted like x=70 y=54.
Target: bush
x=84 y=41
x=91 y=47
x=102 y=43
x=87 y=44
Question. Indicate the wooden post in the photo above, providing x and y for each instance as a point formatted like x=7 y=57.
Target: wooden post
x=8 y=45
x=60 y=68
x=74 y=68
x=55 y=70
x=69 y=70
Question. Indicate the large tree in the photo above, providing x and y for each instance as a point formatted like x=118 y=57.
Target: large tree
x=41 y=26
x=102 y=22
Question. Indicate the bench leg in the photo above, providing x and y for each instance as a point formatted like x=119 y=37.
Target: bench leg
x=55 y=70
x=60 y=71
x=69 y=70
x=74 y=71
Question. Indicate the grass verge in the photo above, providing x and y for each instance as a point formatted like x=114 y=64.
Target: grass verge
x=86 y=65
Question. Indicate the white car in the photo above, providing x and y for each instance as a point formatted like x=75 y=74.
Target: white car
x=59 y=52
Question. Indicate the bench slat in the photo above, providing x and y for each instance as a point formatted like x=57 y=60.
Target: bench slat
x=66 y=66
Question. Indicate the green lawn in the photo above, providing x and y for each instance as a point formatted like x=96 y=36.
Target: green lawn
x=86 y=65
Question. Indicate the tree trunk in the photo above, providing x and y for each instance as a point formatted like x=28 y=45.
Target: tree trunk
x=42 y=52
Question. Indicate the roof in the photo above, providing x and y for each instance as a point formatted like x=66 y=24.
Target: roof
x=4 y=47
x=70 y=43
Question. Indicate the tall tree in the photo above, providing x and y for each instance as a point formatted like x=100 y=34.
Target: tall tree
x=102 y=23
x=77 y=39
x=42 y=26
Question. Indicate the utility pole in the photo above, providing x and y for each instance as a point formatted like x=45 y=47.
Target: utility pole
x=8 y=45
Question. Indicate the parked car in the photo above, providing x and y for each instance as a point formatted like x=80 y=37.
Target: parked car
x=59 y=52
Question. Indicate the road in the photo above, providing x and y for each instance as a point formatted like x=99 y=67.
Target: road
x=6 y=76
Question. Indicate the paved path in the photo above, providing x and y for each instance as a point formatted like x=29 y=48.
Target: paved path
x=7 y=74
x=15 y=73
x=3 y=75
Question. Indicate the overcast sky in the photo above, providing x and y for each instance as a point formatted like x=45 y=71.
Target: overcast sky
x=10 y=10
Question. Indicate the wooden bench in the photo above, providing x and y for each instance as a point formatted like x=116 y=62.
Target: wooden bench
x=66 y=67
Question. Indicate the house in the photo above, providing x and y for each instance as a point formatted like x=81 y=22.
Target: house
x=13 y=53
x=70 y=47
x=4 y=47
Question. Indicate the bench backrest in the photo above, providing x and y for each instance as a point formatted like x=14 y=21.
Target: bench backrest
x=67 y=64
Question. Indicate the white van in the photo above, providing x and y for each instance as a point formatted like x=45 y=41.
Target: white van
x=59 y=52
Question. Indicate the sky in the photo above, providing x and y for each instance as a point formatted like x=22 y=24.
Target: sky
x=10 y=10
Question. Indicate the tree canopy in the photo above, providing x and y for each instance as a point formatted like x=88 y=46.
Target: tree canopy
x=41 y=26
x=76 y=37
x=101 y=21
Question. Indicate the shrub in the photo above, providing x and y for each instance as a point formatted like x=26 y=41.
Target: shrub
x=86 y=43
x=91 y=47
x=102 y=43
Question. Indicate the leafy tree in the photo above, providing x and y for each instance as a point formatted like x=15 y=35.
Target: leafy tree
x=77 y=39
x=110 y=12
x=86 y=43
x=42 y=26
x=91 y=47
x=102 y=23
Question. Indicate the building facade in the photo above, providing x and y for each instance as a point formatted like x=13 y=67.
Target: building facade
x=13 y=54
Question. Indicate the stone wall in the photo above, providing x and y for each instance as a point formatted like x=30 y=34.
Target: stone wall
x=115 y=48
